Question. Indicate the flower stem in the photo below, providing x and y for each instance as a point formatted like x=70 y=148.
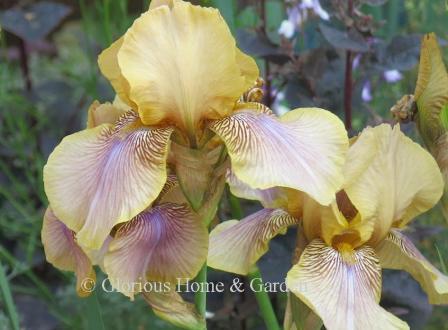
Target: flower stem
x=264 y=302
x=200 y=297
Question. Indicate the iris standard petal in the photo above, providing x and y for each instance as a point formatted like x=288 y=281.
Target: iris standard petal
x=248 y=67
x=102 y=176
x=337 y=229
x=163 y=244
x=385 y=183
x=304 y=149
x=398 y=252
x=337 y=223
x=62 y=251
x=157 y=3
x=175 y=75
x=235 y=246
x=344 y=293
x=169 y=306
x=108 y=64
x=105 y=113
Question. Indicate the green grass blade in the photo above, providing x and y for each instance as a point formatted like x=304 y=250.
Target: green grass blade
x=7 y=298
x=442 y=262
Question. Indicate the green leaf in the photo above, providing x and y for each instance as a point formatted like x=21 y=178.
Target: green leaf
x=93 y=312
x=374 y=2
x=227 y=10
x=275 y=14
x=247 y=18
x=442 y=262
x=7 y=297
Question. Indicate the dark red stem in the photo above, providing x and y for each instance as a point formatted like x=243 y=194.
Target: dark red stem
x=348 y=89
x=267 y=71
x=348 y=83
x=24 y=64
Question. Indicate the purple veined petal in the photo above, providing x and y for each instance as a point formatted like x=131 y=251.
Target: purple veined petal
x=392 y=76
x=343 y=289
x=163 y=244
x=366 y=93
x=303 y=150
x=235 y=246
x=63 y=252
x=99 y=177
x=398 y=252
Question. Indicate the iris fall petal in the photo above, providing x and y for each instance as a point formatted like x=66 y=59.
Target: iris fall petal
x=169 y=306
x=344 y=293
x=398 y=252
x=235 y=246
x=163 y=244
x=63 y=252
x=304 y=149
x=99 y=177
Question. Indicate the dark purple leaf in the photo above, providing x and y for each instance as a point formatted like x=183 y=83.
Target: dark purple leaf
x=351 y=40
x=34 y=22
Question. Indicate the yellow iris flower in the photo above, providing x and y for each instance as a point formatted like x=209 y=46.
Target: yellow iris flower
x=389 y=180
x=428 y=107
x=183 y=109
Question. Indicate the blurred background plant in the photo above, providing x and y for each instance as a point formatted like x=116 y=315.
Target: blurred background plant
x=353 y=57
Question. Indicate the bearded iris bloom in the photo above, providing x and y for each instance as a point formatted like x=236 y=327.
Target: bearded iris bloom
x=345 y=244
x=135 y=191
x=178 y=70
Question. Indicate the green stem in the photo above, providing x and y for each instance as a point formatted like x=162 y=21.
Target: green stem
x=106 y=22
x=264 y=303
x=263 y=300
x=235 y=207
x=393 y=13
x=200 y=298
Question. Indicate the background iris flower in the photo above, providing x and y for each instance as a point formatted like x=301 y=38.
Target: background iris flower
x=343 y=246
x=428 y=107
